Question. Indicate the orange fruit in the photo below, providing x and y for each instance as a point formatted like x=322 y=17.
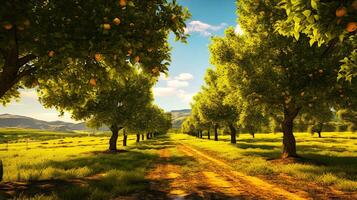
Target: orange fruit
x=98 y=57
x=116 y=21
x=302 y=94
x=122 y=3
x=51 y=54
x=150 y=50
x=321 y=71
x=341 y=11
x=93 y=82
x=107 y=26
x=7 y=26
x=351 y=27
x=173 y=17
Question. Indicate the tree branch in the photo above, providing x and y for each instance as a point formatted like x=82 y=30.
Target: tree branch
x=26 y=59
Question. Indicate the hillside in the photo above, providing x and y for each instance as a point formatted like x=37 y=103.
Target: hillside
x=178 y=116
x=16 y=121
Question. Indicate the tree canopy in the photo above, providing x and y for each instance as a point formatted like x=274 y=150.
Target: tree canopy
x=324 y=22
x=38 y=39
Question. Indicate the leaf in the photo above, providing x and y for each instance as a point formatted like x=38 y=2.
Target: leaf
x=296 y=35
x=307 y=13
x=314 y=4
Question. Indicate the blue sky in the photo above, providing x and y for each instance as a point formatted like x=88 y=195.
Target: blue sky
x=189 y=62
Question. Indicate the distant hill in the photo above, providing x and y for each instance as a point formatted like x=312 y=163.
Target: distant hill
x=17 y=121
x=179 y=116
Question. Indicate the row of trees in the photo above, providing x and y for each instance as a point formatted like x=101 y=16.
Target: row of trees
x=98 y=60
x=263 y=77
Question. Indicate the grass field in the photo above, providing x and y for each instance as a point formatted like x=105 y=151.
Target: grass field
x=330 y=161
x=327 y=161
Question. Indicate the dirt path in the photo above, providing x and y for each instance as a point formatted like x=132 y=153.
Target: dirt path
x=213 y=179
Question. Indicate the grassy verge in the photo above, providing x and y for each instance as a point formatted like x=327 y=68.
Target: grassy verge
x=102 y=175
x=330 y=161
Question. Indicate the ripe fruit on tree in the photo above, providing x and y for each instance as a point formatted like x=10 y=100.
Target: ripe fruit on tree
x=351 y=27
x=122 y=3
x=116 y=21
x=7 y=26
x=93 y=82
x=51 y=54
x=98 y=57
x=106 y=26
x=341 y=11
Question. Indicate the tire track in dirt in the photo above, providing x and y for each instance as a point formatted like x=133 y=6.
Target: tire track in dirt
x=178 y=183
x=248 y=184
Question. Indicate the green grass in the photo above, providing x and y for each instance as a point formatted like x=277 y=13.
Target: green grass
x=14 y=135
x=75 y=157
x=330 y=160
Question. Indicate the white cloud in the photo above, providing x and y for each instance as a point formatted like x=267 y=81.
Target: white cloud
x=174 y=87
x=29 y=94
x=177 y=83
x=164 y=91
x=184 y=96
x=203 y=28
x=238 y=30
x=184 y=77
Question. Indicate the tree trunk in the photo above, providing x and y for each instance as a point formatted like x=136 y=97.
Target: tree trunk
x=113 y=139
x=320 y=129
x=10 y=74
x=137 y=138
x=147 y=136
x=125 y=137
x=216 y=132
x=201 y=134
x=289 y=142
x=142 y=137
x=233 y=134
x=1 y=170
x=208 y=134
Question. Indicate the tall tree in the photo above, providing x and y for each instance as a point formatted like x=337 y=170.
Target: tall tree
x=114 y=103
x=38 y=39
x=283 y=74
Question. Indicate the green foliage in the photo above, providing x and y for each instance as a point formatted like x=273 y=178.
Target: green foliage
x=324 y=22
x=43 y=40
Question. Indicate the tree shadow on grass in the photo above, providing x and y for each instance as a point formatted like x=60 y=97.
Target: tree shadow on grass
x=111 y=175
